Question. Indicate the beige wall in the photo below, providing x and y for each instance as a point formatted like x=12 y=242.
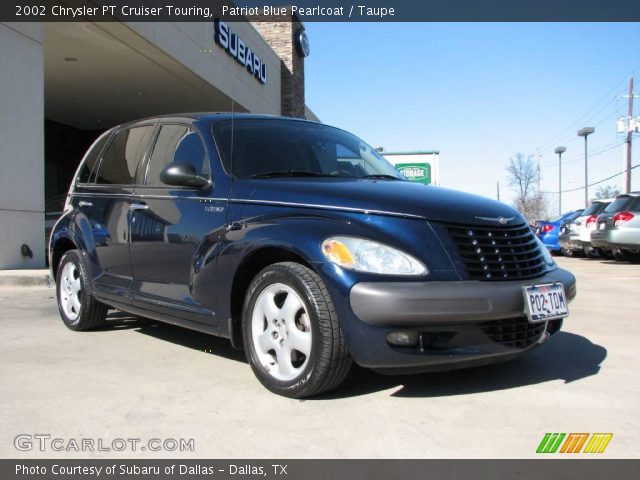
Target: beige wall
x=193 y=46
x=21 y=145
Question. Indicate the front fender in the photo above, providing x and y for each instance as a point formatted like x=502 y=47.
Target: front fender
x=300 y=232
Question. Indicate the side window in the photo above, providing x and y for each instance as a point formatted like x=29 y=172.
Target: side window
x=92 y=157
x=122 y=156
x=176 y=143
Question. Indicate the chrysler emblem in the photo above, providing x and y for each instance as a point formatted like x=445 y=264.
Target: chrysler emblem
x=500 y=220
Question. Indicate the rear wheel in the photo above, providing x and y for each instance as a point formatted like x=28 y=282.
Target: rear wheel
x=626 y=256
x=291 y=333
x=591 y=252
x=566 y=252
x=78 y=309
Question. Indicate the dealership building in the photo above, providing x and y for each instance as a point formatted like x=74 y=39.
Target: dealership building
x=62 y=84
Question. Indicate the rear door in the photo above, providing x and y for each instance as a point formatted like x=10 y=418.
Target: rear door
x=173 y=228
x=103 y=202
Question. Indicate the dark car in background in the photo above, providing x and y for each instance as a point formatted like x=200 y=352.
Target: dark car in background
x=548 y=231
x=618 y=228
x=304 y=246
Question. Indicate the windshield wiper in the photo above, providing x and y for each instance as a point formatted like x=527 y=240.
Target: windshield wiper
x=288 y=173
x=382 y=176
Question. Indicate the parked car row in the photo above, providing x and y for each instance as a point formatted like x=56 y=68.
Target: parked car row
x=548 y=231
x=609 y=227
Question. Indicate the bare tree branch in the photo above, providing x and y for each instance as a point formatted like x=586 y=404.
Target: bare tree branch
x=523 y=176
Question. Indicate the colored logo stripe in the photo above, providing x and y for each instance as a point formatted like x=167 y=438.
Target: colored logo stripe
x=550 y=443
x=574 y=442
x=598 y=442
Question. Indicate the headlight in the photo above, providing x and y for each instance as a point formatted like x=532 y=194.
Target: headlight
x=545 y=253
x=372 y=257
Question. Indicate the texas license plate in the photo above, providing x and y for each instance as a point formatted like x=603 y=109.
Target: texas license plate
x=545 y=302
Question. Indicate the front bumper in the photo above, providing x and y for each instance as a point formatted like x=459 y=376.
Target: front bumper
x=457 y=323
x=444 y=303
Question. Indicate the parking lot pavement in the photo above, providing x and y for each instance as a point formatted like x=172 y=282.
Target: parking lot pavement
x=141 y=379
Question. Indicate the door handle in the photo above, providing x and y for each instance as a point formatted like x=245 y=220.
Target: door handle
x=138 y=206
x=83 y=204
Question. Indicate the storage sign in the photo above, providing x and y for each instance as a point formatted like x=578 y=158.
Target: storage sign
x=415 y=172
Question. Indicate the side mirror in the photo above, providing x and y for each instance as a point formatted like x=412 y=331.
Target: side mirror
x=183 y=175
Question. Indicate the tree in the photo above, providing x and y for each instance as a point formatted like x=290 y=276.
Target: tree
x=523 y=176
x=607 y=191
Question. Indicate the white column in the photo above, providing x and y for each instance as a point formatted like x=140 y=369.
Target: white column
x=21 y=145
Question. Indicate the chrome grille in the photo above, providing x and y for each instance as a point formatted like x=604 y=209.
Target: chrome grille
x=498 y=253
x=513 y=332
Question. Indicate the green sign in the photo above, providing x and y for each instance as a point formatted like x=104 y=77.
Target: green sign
x=415 y=172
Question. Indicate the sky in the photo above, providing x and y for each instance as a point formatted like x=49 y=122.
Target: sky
x=481 y=93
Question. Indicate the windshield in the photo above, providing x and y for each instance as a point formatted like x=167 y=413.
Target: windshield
x=266 y=148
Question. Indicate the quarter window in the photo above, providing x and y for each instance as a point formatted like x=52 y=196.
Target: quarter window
x=179 y=144
x=122 y=156
x=91 y=159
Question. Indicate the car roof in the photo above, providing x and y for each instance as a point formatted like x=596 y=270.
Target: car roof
x=210 y=117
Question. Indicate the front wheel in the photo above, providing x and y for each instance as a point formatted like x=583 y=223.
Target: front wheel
x=78 y=309
x=292 y=337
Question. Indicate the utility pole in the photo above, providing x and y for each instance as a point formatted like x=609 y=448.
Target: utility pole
x=538 y=156
x=498 y=190
x=560 y=151
x=585 y=132
x=629 y=135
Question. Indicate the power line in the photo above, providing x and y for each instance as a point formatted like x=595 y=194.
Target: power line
x=593 y=153
x=580 y=157
x=594 y=183
x=586 y=116
x=575 y=138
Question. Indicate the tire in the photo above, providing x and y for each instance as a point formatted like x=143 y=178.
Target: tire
x=566 y=252
x=591 y=252
x=620 y=255
x=285 y=298
x=78 y=309
x=626 y=256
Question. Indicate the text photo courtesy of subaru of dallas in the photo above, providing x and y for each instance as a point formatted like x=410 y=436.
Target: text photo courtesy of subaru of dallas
x=304 y=247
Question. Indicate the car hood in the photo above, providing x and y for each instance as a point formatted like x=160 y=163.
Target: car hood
x=388 y=197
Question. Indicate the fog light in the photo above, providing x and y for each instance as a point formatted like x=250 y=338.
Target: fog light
x=403 y=339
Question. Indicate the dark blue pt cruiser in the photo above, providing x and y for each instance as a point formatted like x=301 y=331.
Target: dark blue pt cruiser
x=302 y=245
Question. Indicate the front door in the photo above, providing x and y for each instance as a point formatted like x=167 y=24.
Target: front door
x=173 y=229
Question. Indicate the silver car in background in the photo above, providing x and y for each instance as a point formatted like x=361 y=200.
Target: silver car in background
x=618 y=228
x=575 y=237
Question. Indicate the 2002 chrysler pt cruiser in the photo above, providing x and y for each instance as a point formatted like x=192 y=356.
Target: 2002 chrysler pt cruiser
x=301 y=244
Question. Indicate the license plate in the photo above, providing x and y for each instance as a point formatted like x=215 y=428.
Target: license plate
x=602 y=225
x=545 y=302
